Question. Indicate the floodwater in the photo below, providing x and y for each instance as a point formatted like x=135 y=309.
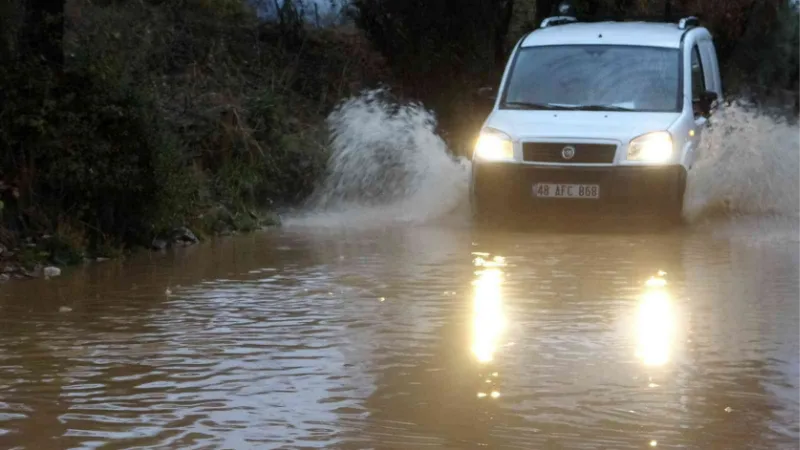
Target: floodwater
x=434 y=336
x=380 y=318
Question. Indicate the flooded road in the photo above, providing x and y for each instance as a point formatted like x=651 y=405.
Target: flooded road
x=414 y=337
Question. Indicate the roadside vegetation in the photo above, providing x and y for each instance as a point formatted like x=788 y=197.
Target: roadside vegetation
x=143 y=118
x=155 y=123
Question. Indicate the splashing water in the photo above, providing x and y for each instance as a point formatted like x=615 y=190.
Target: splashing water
x=749 y=166
x=387 y=165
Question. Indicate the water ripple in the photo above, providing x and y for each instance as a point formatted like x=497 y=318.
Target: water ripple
x=412 y=339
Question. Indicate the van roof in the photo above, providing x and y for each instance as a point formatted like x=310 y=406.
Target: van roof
x=652 y=34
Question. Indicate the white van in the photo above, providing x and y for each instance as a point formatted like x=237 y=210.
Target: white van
x=600 y=116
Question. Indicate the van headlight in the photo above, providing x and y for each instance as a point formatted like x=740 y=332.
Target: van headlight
x=651 y=147
x=494 y=145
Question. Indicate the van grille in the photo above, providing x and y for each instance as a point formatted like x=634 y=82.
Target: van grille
x=550 y=152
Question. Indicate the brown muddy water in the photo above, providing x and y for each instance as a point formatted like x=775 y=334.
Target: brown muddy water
x=414 y=337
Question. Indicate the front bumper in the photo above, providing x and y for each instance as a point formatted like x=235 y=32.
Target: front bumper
x=509 y=186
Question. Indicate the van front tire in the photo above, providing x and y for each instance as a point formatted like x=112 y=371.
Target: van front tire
x=672 y=214
x=483 y=215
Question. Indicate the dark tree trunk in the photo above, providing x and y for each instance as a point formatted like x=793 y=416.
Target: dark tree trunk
x=623 y=7
x=43 y=31
x=593 y=9
x=544 y=9
x=503 y=23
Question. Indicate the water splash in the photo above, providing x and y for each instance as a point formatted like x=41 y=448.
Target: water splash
x=749 y=166
x=388 y=165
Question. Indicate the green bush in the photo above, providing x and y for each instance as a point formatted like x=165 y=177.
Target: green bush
x=10 y=18
x=78 y=144
x=163 y=112
x=767 y=54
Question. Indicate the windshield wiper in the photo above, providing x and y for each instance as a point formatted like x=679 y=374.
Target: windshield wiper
x=566 y=107
x=603 y=108
x=551 y=106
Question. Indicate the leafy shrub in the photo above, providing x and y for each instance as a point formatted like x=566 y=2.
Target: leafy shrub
x=164 y=111
x=767 y=52
x=77 y=144
x=10 y=18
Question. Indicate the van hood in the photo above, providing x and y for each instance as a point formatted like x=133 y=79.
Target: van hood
x=619 y=126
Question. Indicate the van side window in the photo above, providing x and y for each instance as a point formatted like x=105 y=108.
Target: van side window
x=698 y=77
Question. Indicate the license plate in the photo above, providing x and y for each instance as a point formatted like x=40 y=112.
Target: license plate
x=558 y=190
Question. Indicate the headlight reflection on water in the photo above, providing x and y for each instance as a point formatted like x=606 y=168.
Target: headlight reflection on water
x=655 y=323
x=488 y=321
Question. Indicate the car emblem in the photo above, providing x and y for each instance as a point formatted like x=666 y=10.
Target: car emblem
x=568 y=152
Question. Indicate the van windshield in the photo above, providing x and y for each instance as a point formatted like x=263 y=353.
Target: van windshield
x=594 y=77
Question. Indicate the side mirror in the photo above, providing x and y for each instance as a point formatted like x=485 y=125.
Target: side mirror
x=487 y=93
x=704 y=103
